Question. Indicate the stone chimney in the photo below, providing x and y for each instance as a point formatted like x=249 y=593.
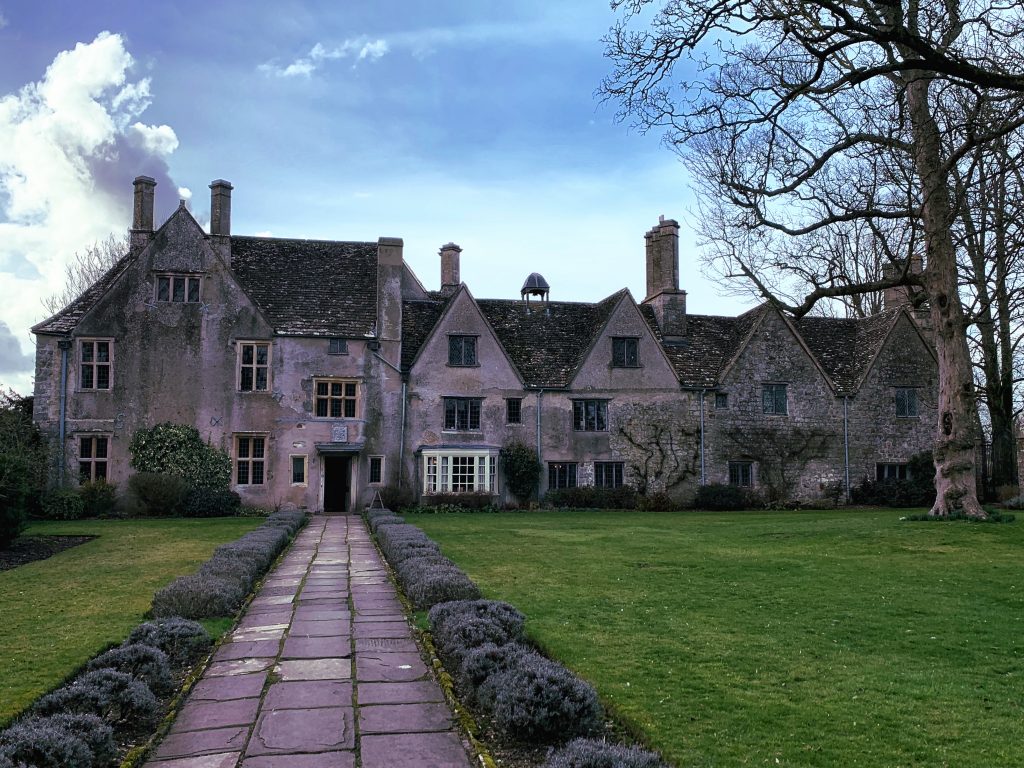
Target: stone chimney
x=899 y=295
x=220 y=207
x=663 y=294
x=450 y=279
x=142 y=213
x=389 y=297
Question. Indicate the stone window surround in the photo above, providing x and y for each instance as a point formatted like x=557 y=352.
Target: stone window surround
x=186 y=279
x=462 y=350
x=377 y=471
x=255 y=344
x=626 y=352
x=250 y=441
x=304 y=482
x=95 y=466
x=514 y=413
x=348 y=403
x=473 y=407
x=94 y=364
x=741 y=473
x=459 y=471
x=906 y=402
x=590 y=415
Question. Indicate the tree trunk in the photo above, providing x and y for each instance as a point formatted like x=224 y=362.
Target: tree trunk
x=955 y=488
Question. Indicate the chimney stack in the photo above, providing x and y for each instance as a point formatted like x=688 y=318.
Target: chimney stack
x=450 y=279
x=220 y=207
x=898 y=295
x=663 y=294
x=142 y=212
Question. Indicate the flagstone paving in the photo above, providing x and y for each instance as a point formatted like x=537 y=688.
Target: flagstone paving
x=322 y=671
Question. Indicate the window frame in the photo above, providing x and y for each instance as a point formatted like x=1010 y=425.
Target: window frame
x=344 y=399
x=94 y=365
x=617 y=470
x=92 y=459
x=337 y=346
x=304 y=457
x=910 y=402
x=172 y=278
x=722 y=401
x=518 y=421
x=466 y=341
x=737 y=470
x=891 y=470
x=775 y=388
x=621 y=348
x=454 y=424
x=582 y=419
x=556 y=470
x=439 y=475
x=250 y=461
x=254 y=366
x=379 y=460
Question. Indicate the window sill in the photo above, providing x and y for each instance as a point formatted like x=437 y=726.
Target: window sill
x=459 y=365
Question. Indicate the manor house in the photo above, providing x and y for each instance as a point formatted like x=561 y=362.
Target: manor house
x=328 y=371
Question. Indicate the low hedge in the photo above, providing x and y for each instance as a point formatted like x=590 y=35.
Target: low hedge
x=594 y=753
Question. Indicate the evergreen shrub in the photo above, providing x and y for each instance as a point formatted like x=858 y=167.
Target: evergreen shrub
x=178 y=449
x=521 y=469
x=59 y=741
x=115 y=697
x=485 y=663
x=504 y=615
x=156 y=494
x=594 y=753
x=143 y=662
x=199 y=596
x=99 y=498
x=211 y=502
x=720 y=497
x=63 y=504
x=589 y=497
x=438 y=584
x=183 y=640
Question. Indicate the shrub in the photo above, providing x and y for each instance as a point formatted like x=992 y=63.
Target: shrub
x=504 y=615
x=179 y=450
x=63 y=504
x=412 y=569
x=143 y=662
x=456 y=502
x=182 y=640
x=199 y=596
x=157 y=494
x=23 y=465
x=593 y=753
x=211 y=502
x=56 y=742
x=439 y=584
x=589 y=497
x=99 y=498
x=917 y=491
x=289 y=519
x=486 y=662
x=397 y=498
x=116 y=697
x=659 y=501
x=403 y=550
x=457 y=636
x=721 y=497
x=521 y=468
x=388 y=519
x=537 y=700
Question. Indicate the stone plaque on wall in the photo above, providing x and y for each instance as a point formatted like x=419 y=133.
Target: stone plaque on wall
x=339 y=433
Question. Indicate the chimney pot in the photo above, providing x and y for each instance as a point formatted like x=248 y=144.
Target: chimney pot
x=220 y=207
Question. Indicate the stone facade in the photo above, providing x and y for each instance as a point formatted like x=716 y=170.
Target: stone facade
x=328 y=372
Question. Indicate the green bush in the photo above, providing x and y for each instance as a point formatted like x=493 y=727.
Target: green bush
x=155 y=494
x=589 y=497
x=211 y=502
x=521 y=468
x=63 y=504
x=721 y=497
x=178 y=449
x=455 y=502
x=917 y=491
x=99 y=498
x=397 y=499
x=23 y=465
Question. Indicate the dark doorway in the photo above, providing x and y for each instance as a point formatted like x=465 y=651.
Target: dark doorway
x=337 y=477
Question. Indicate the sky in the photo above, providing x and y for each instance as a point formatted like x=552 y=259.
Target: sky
x=474 y=122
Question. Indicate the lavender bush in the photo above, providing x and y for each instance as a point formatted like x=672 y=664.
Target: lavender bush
x=504 y=615
x=182 y=640
x=116 y=697
x=594 y=753
x=199 y=596
x=143 y=662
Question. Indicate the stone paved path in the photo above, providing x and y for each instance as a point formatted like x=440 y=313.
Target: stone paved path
x=322 y=671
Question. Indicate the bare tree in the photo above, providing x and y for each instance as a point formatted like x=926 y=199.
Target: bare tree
x=803 y=115
x=86 y=268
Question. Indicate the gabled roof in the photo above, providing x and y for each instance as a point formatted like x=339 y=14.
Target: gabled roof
x=418 y=320
x=549 y=342
x=845 y=347
x=309 y=287
x=66 y=320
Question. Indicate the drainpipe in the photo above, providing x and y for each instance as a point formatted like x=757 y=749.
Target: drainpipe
x=401 y=445
x=64 y=345
x=540 y=400
x=846 y=444
x=702 y=477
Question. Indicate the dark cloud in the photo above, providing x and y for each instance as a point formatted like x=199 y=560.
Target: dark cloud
x=114 y=172
x=12 y=359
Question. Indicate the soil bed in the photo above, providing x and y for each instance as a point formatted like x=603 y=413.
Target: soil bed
x=28 y=549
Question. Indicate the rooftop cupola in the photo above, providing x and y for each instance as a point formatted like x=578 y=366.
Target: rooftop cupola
x=535 y=285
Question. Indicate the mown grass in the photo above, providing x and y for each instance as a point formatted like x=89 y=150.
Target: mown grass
x=781 y=639
x=57 y=613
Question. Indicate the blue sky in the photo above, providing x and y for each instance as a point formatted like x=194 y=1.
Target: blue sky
x=474 y=122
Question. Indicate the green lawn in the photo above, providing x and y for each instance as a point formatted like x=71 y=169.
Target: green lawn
x=780 y=639
x=57 y=613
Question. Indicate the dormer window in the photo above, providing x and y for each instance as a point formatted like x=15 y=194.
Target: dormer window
x=178 y=288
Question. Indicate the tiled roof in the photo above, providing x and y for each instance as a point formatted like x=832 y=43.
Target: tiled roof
x=309 y=287
x=845 y=347
x=709 y=344
x=548 y=343
x=418 y=320
x=66 y=320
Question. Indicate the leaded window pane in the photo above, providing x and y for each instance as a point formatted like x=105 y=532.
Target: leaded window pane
x=163 y=289
x=193 y=289
x=178 y=289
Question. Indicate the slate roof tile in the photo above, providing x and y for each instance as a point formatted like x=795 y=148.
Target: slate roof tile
x=418 y=319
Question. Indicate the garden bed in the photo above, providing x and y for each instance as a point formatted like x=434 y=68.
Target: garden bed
x=28 y=549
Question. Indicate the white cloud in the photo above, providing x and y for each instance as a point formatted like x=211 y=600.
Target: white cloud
x=265 y=233
x=358 y=48
x=185 y=193
x=72 y=144
x=3 y=20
